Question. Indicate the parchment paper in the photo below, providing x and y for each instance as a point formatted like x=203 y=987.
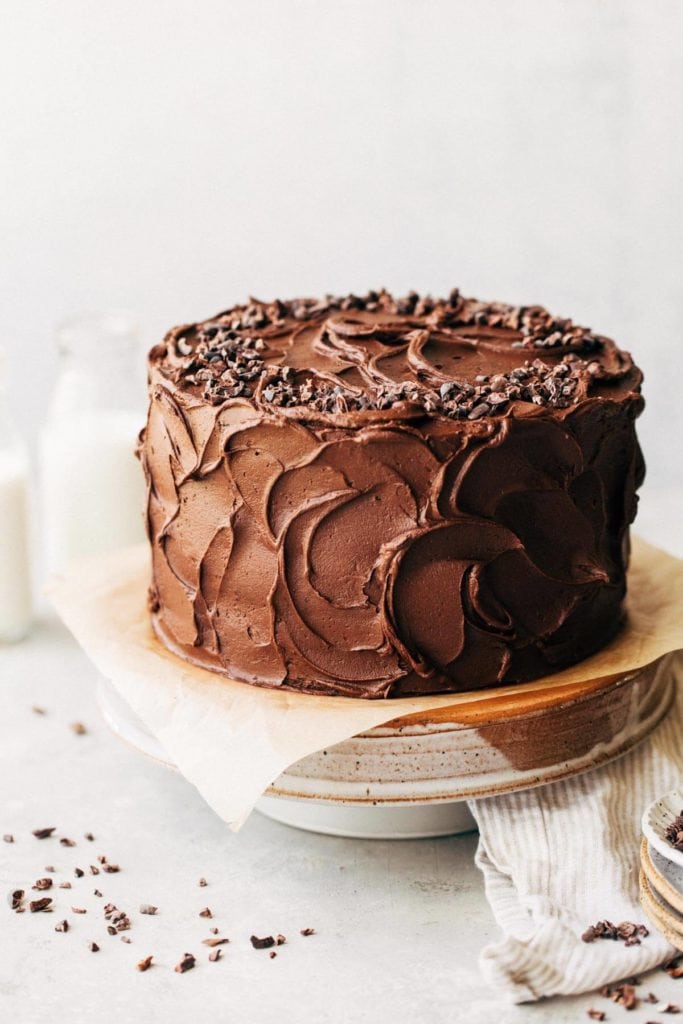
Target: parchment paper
x=232 y=740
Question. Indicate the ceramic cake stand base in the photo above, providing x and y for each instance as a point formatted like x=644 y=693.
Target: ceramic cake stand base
x=411 y=778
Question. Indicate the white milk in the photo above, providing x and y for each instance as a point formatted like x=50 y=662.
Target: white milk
x=15 y=582
x=92 y=485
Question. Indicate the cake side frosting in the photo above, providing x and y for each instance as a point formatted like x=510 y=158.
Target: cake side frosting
x=376 y=496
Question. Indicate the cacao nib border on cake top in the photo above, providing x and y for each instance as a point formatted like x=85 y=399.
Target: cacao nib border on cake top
x=259 y=351
x=371 y=496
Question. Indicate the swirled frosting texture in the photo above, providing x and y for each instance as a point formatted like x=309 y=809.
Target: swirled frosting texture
x=377 y=497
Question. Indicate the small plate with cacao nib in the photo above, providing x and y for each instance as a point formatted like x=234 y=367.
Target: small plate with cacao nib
x=663 y=825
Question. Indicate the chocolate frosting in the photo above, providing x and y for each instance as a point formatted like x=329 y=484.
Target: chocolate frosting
x=376 y=497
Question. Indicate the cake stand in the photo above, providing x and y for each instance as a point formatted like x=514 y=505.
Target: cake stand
x=412 y=777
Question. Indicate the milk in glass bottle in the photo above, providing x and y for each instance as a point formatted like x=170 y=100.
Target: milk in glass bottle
x=15 y=575
x=92 y=484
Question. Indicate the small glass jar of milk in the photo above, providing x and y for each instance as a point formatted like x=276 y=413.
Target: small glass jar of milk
x=15 y=571
x=91 y=482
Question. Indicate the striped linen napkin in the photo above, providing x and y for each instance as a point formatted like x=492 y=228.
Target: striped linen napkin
x=557 y=859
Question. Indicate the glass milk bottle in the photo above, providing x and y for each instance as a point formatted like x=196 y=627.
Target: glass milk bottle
x=92 y=484
x=15 y=574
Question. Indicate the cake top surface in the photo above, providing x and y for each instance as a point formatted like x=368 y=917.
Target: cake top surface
x=373 y=356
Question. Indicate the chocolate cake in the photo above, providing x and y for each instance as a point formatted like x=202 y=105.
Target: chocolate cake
x=377 y=496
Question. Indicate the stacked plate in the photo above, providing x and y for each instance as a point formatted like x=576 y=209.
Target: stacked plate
x=661 y=868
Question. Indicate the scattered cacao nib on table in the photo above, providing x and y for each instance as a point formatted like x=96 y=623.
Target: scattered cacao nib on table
x=43 y=905
x=78 y=728
x=186 y=964
x=43 y=833
x=8 y=838
x=118 y=921
x=625 y=995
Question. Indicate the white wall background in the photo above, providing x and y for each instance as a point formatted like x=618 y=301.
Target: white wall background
x=173 y=157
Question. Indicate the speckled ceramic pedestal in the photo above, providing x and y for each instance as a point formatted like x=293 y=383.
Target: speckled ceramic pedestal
x=412 y=777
